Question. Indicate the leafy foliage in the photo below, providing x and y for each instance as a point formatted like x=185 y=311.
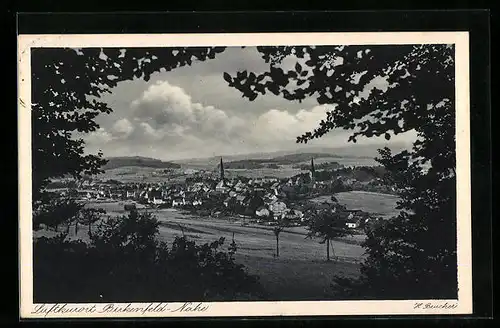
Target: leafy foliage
x=416 y=249
x=51 y=211
x=126 y=262
x=67 y=85
x=280 y=224
x=89 y=216
x=414 y=254
x=327 y=224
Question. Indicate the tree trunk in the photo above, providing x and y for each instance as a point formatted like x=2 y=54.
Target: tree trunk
x=76 y=228
x=90 y=229
x=328 y=249
x=277 y=246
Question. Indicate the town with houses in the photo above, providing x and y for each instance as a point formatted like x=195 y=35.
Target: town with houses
x=265 y=200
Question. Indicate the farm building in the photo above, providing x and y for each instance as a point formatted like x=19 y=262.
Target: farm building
x=262 y=212
x=352 y=224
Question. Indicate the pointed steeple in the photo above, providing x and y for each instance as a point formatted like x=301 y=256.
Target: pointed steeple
x=312 y=166
x=221 y=170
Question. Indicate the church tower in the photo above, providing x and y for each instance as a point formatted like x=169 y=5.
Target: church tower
x=221 y=171
x=221 y=186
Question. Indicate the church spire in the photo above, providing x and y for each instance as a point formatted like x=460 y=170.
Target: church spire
x=221 y=170
x=312 y=166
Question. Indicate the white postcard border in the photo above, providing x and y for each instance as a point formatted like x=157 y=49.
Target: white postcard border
x=463 y=305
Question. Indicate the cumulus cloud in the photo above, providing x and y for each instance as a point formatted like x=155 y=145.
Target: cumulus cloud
x=281 y=125
x=165 y=110
x=163 y=121
x=101 y=136
x=122 y=128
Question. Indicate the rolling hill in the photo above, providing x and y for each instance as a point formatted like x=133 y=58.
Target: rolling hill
x=297 y=156
x=273 y=162
x=346 y=155
x=116 y=162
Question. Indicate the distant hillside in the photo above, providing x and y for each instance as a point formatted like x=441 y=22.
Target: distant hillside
x=352 y=151
x=250 y=164
x=321 y=166
x=247 y=164
x=115 y=162
x=301 y=157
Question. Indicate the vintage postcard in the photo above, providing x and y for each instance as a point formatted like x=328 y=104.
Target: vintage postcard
x=207 y=175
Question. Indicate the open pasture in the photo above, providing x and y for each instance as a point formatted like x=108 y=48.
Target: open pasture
x=378 y=204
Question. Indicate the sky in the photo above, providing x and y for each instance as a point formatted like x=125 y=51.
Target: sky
x=190 y=112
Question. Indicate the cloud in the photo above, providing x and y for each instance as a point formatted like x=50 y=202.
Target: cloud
x=101 y=136
x=122 y=128
x=164 y=121
x=281 y=125
x=165 y=110
x=164 y=116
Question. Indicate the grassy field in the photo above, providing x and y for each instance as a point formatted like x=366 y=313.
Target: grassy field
x=136 y=174
x=285 y=171
x=300 y=273
x=342 y=160
x=376 y=203
x=252 y=239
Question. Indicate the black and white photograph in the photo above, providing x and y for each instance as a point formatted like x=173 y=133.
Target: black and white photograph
x=271 y=171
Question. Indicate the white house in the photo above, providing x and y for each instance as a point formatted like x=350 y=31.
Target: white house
x=197 y=202
x=221 y=187
x=178 y=202
x=157 y=201
x=352 y=225
x=262 y=212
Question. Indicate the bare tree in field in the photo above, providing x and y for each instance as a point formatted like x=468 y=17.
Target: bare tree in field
x=280 y=225
x=88 y=217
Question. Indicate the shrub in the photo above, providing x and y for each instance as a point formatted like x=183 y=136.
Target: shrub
x=125 y=262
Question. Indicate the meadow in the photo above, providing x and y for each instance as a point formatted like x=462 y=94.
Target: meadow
x=346 y=161
x=378 y=204
x=300 y=273
x=137 y=174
